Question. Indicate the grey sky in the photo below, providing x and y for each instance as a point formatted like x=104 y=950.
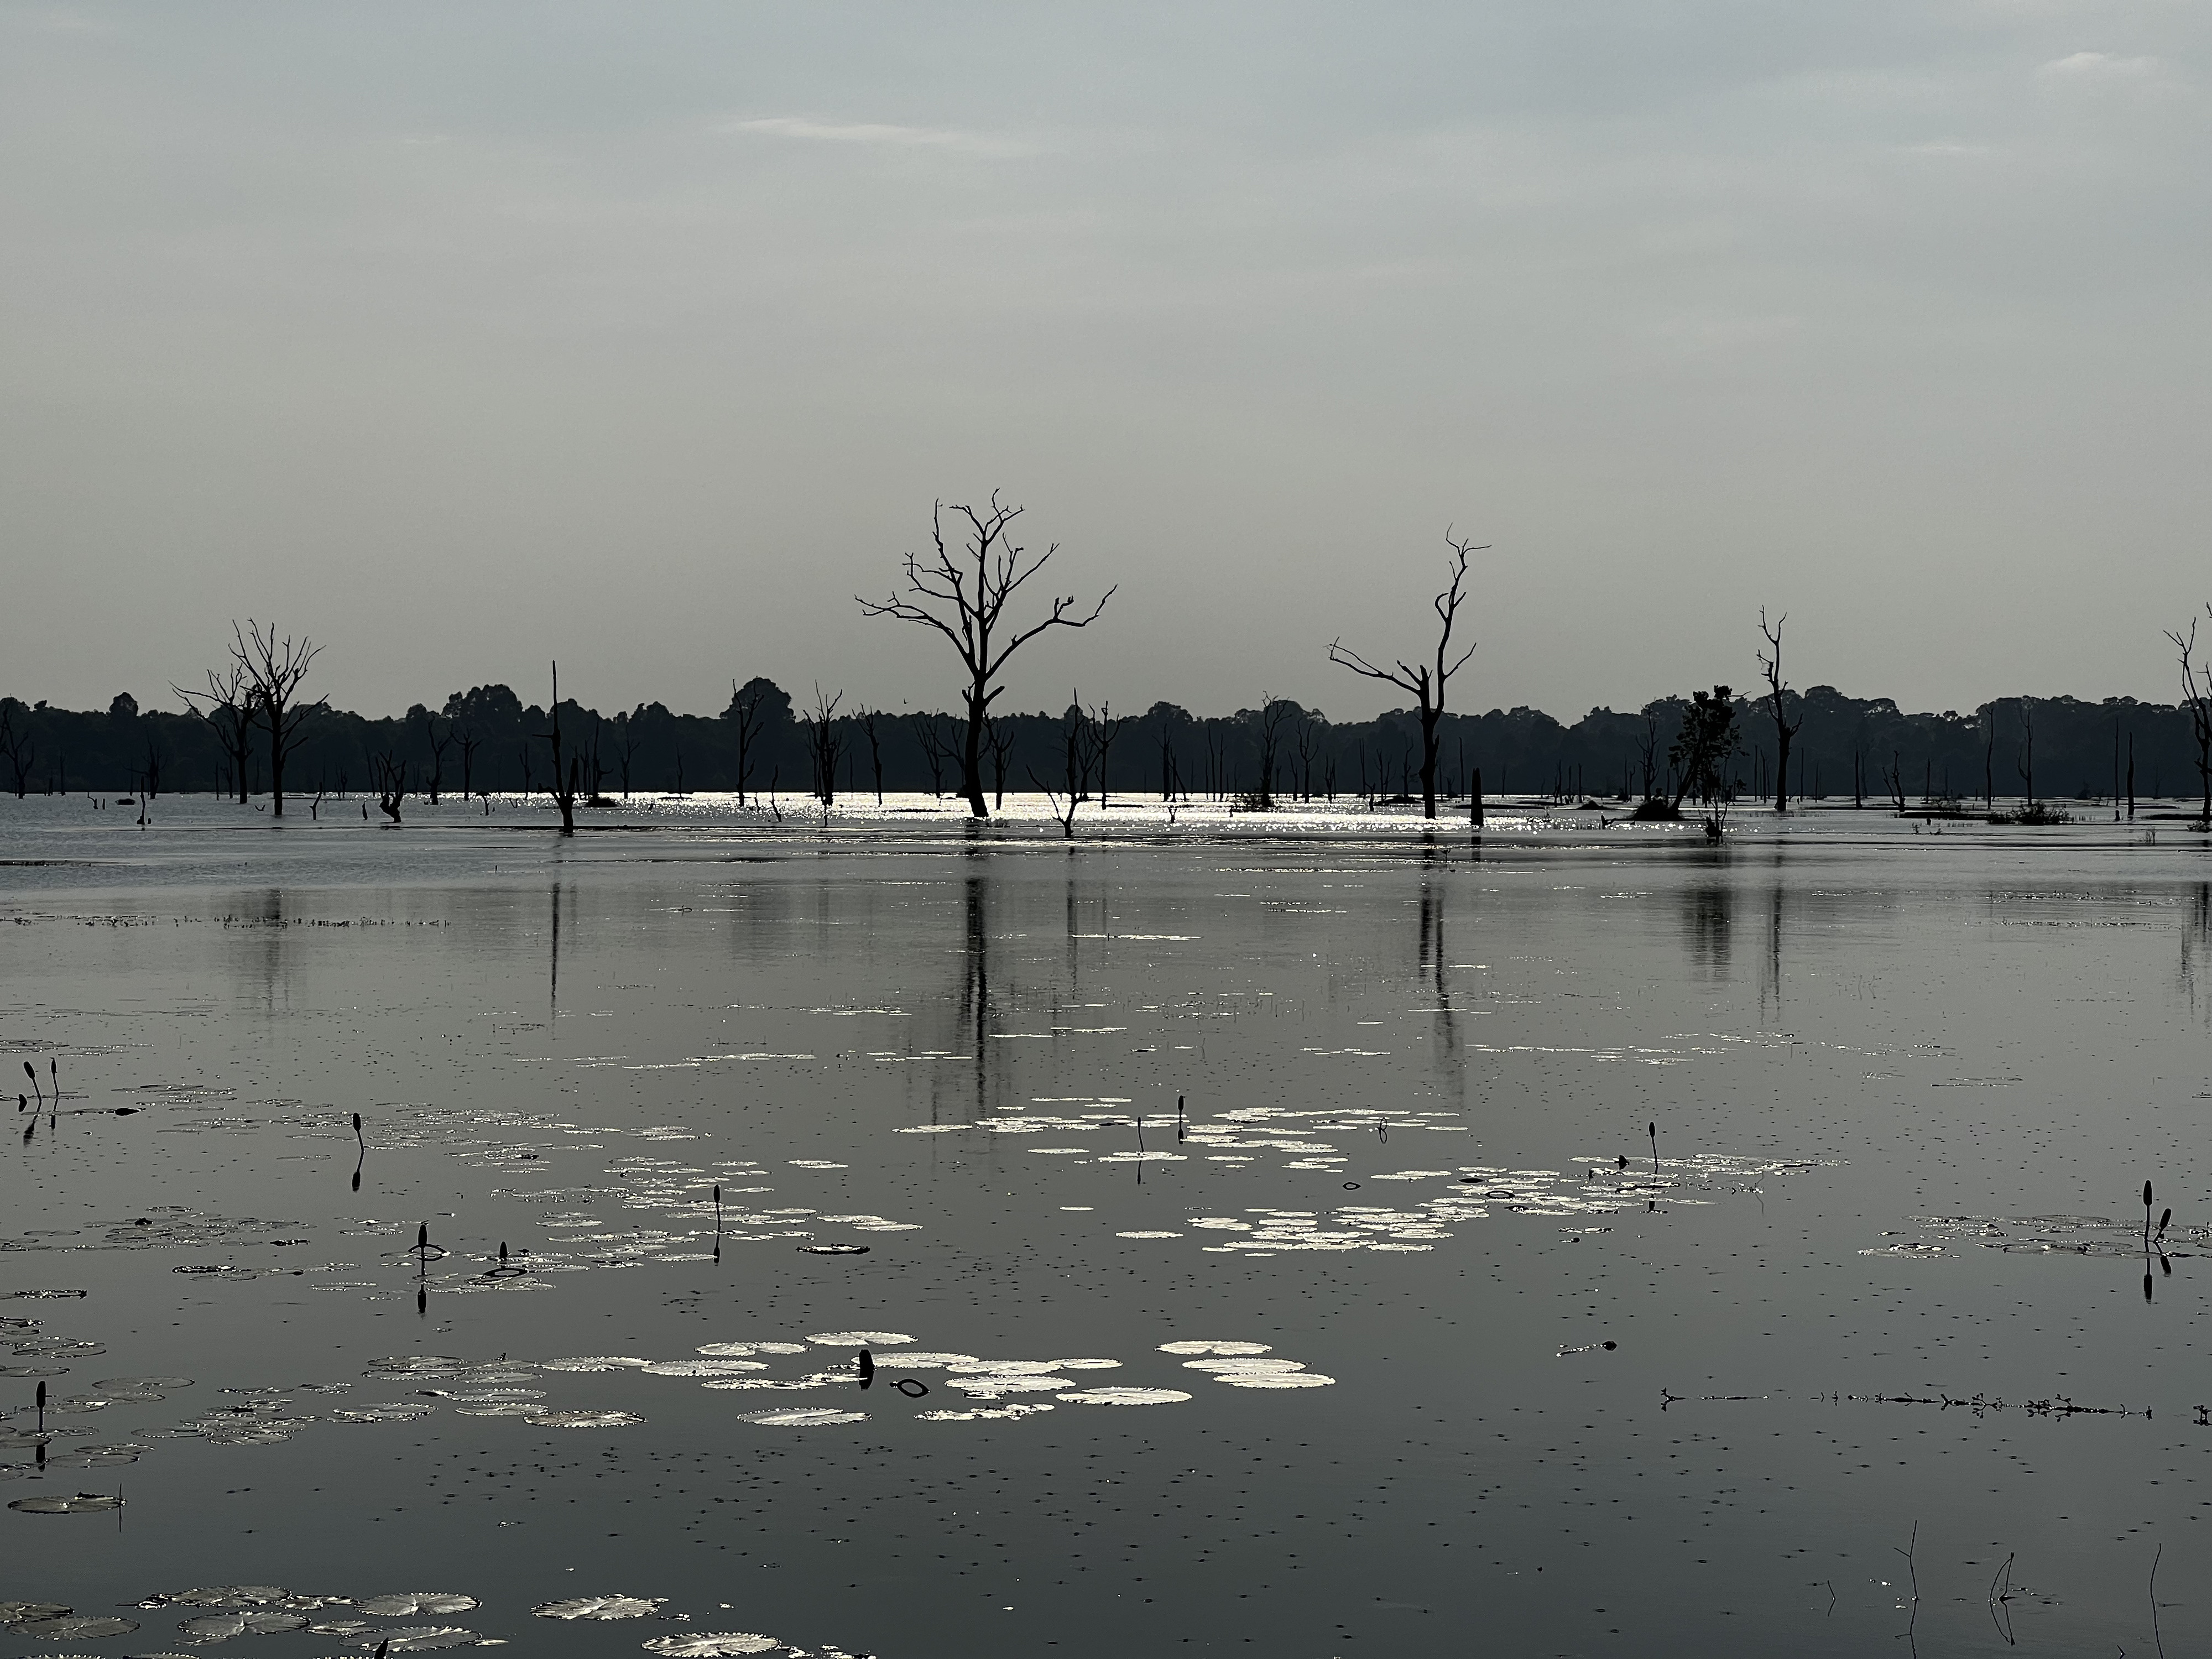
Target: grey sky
x=462 y=336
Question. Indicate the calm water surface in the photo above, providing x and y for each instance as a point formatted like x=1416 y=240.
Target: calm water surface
x=1906 y=1088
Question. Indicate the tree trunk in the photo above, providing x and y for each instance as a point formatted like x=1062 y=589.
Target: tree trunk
x=1780 y=767
x=1429 y=719
x=972 y=753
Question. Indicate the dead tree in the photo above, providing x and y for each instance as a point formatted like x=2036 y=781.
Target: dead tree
x=934 y=750
x=964 y=596
x=825 y=742
x=17 y=747
x=2024 y=763
x=1104 y=728
x=1426 y=682
x=390 y=771
x=1892 y=781
x=567 y=765
x=998 y=737
x=229 y=700
x=439 y=742
x=149 y=781
x=1784 y=727
x=470 y=740
x=866 y=720
x=1078 y=751
x=1275 y=713
x=626 y=742
x=746 y=716
x=2196 y=698
x=274 y=669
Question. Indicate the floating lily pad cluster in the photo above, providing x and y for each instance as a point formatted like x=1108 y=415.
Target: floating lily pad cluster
x=1475 y=1193
x=2044 y=1235
x=222 y=1613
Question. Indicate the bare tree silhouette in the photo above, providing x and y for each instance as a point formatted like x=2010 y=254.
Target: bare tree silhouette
x=1784 y=727
x=935 y=751
x=964 y=596
x=825 y=742
x=567 y=766
x=999 y=739
x=391 y=779
x=440 y=738
x=1274 y=714
x=470 y=740
x=2196 y=698
x=866 y=719
x=17 y=747
x=746 y=715
x=1425 y=682
x=229 y=698
x=274 y=670
x=1078 y=749
x=626 y=743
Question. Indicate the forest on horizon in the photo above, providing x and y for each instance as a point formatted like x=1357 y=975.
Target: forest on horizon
x=488 y=739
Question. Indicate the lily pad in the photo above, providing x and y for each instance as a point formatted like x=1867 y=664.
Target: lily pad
x=16 y=1613
x=1217 y=1347
x=715 y=1646
x=595 y=1363
x=222 y=1627
x=1124 y=1397
x=415 y=1604
x=83 y=1503
x=405 y=1411
x=802 y=1417
x=78 y=1629
x=417 y=1639
x=859 y=1339
x=703 y=1367
x=601 y=1606
x=585 y=1419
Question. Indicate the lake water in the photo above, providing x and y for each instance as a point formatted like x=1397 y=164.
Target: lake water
x=1208 y=1111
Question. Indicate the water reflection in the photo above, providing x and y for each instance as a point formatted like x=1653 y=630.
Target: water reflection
x=2195 y=945
x=1432 y=953
x=1708 y=913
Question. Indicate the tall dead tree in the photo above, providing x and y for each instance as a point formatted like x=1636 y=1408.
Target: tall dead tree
x=1274 y=714
x=17 y=747
x=470 y=740
x=866 y=718
x=626 y=744
x=439 y=737
x=998 y=737
x=567 y=766
x=229 y=700
x=825 y=743
x=275 y=670
x=935 y=751
x=1078 y=749
x=1425 y=681
x=2196 y=698
x=389 y=772
x=746 y=716
x=1784 y=727
x=964 y=596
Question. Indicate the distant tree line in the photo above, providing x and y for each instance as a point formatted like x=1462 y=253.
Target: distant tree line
x=488 y=739
x=254 y=730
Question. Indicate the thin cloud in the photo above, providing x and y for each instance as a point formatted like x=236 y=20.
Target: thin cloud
x=2099 y=66
x=879 y=134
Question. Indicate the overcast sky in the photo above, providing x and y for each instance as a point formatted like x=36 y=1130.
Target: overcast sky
x=463 y=336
